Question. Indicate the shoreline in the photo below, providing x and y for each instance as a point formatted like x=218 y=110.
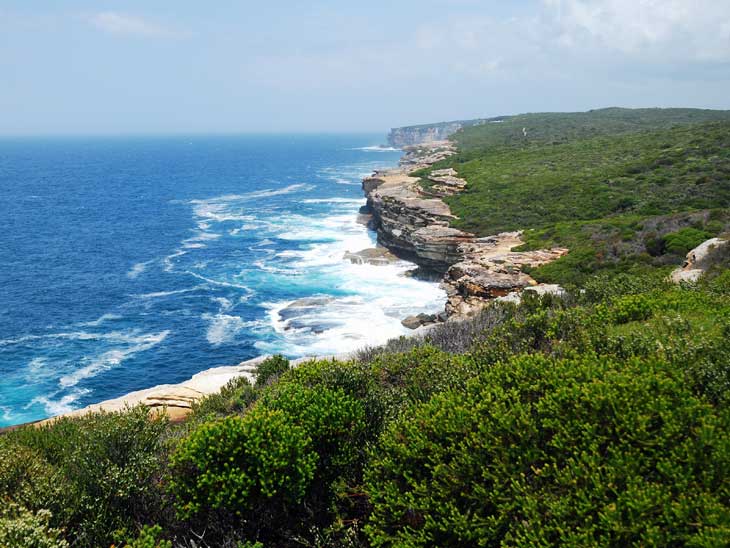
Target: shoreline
x=176 y=399
x=411 y=224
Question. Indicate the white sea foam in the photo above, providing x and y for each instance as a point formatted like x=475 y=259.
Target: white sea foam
x=169 y=261
x=100 y=320
x=61 y=406
x=6 y=413
x=375 y=300
x=223 y=328
x=221 y=283
x=161 y=294
x=138 y=268
x=266 y=193
x=112 y=358
x=347 y=201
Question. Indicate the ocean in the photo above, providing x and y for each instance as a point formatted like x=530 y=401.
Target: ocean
x=131 y=262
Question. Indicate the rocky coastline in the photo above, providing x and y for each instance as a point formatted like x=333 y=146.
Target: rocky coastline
x=413 y=222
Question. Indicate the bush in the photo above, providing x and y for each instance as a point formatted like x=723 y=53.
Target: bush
x=149 y=537
x=234 y=398
x=334 y=421
x=29 y=480
x=104 y=466
x=541 y=452
x=413 y=377
x=254 y=467
x=21 y=528
x=682 y=241
x=631 y=308
x=271 y=368
x=352 y=378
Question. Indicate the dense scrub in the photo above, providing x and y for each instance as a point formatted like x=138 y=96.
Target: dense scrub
x=550 y=128
x=596 y=419
x=622 y=189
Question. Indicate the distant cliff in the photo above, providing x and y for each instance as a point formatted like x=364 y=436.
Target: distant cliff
x=424 y=134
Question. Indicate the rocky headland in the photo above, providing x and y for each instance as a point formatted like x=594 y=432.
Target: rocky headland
x=413 y=222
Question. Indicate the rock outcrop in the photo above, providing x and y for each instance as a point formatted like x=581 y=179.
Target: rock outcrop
x=412 y=220
x=491 y=270
x=697 y=261
x=411 y=225
x=177 y=400
x=378 y=256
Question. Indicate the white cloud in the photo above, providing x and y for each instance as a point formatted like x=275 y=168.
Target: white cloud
x=677 y=30
x=118 y=23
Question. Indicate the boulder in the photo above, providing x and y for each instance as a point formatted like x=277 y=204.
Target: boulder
x=414 y=322
x=378 y=256
x=697 y=261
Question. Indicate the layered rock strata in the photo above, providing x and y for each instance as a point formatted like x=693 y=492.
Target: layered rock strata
x=414 y=223
x=490 y=270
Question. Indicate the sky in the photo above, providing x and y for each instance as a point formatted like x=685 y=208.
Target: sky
x=185 y=66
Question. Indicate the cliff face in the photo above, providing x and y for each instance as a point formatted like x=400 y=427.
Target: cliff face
x=417 y=135
x=413 y=223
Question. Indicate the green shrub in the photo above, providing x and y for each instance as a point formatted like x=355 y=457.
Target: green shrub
x=21 y=528
x=104 y=467
x=334 y=421
x=271 y=368
x=149 y=537
x=544 y=452
x=352 y=378
x=253 y=466
x=631 y=308
x=413 y=377
x=234 y=398
x=682 y=241
x=29 y=480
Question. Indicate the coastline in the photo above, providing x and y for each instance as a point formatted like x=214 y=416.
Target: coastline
x=176 y=399
x=411 y=224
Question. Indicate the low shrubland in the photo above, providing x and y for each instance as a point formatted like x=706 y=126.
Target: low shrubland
x=598 y=418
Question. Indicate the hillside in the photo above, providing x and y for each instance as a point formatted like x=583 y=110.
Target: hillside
x=606 y=184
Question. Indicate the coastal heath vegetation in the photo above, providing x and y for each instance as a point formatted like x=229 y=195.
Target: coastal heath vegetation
x=598 y=417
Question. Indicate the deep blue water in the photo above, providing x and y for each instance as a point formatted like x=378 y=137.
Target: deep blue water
x=131 y=262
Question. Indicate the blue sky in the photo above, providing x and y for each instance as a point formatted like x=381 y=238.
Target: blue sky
x=177 y=66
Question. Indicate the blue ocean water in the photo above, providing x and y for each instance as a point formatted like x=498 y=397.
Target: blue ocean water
x=131 y=262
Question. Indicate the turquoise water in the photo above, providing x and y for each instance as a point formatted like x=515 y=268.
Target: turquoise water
x=131 y=262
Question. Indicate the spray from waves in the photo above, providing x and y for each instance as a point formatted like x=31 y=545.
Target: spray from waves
x=344 y=201
x=65 y=404
x=266 y=193
x=223 y=328
x=162 y=294
x=112 y=336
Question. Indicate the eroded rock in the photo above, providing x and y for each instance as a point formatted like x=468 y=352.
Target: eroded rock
x=697 y=261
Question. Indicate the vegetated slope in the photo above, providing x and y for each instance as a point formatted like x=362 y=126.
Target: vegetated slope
x=560 y=127
x=599 y=418
x=612 y=199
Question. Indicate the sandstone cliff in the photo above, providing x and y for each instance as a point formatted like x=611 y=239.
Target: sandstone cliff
x=416 y=135
x=413 y=222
